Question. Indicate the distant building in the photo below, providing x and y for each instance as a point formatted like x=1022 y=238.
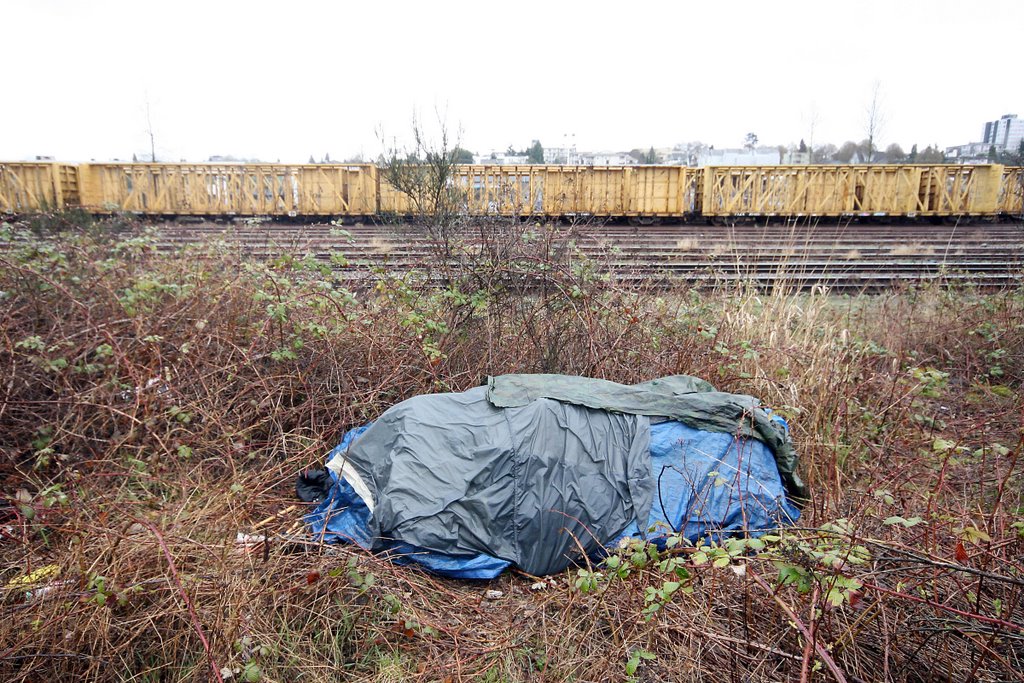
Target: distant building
x=972 y=152
x=1003 y=135
x=229 y=159
x=762 y=156
x=679 y=157
x=562 y=155
x=609 y=159
x=500 y=159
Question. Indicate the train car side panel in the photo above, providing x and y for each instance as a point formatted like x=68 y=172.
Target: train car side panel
x=954 y=190
x=335 y=190
x=501 y=190
x=230 y=189
x=1011 y=191
x=37 y=186
x=661 y=191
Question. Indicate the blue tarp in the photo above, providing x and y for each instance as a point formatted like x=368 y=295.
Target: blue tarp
x=708 y=485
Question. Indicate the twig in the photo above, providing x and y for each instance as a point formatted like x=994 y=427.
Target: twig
x=945 y=608
x=822 y=652
x=184 y=595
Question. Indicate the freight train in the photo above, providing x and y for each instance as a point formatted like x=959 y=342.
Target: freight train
x=642 y=193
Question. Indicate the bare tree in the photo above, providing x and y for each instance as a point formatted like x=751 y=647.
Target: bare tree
x=149 y=130
x=894 y=154
x=823 y=154
x=694 y=152
x=846 y=152
x=874 y=121
x=425 y=173
x=812 y=123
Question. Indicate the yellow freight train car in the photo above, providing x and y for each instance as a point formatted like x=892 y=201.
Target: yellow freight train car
x=606 y=191
x=37 y=186
x=878 y=190
x=230 y=189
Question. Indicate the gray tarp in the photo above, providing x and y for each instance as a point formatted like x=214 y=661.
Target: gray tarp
x=533 y=469
x=690 y=400
x=529 y=484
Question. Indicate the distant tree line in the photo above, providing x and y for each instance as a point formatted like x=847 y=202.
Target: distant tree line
x=861 y=152
x=849 y=152
x=534 y=153
x=648 y=157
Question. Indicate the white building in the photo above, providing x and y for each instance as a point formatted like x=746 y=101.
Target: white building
x=971 y=152
x=610 y=159
x=562 y=155
x=500 y=159
x=762 y=156
x=1005 y=134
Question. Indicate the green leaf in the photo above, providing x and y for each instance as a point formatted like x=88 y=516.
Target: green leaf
x=793 y=575
x=975 y=535
x=907 y=523
x=252 y=672
x=834 y=597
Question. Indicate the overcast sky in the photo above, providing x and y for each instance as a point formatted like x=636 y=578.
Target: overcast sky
x=289 y=79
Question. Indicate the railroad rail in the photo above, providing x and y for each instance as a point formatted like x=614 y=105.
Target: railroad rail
x=844 y=258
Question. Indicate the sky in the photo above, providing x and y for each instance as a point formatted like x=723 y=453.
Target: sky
x=89 y=79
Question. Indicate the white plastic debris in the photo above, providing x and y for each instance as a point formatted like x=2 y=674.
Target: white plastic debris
x=249 y=539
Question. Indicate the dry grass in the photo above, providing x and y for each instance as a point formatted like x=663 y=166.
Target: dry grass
x=156 y=405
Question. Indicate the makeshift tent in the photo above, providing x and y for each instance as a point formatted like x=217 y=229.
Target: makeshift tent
x=531 y=469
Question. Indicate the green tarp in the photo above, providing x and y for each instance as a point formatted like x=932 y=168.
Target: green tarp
x=689 y=400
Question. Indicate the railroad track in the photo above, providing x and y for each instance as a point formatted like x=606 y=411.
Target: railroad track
x=844 y=258
x=849 y=258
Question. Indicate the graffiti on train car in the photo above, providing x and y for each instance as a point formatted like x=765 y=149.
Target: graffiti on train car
x=360 y=190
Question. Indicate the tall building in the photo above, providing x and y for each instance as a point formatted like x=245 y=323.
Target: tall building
x=1005 y=134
